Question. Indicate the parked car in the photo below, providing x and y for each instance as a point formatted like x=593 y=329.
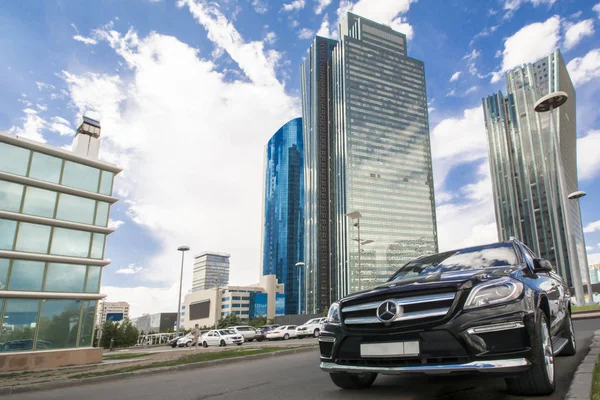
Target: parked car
x=260 y=335
x=188 y=340
x=310 y=328
x=495 y=308
x=268 y=328
x=173 y=342
x=248 y=332
x=283 y=332
x=222 y=338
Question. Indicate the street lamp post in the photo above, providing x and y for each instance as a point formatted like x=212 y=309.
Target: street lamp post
x=586 y=269
x=182 y=249
x=548 y=103
x=356 y=215
x=299 y=265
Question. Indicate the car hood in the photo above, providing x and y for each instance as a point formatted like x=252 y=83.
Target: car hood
x=455 y=280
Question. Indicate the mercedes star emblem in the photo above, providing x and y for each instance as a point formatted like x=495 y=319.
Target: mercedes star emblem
x=388 y=311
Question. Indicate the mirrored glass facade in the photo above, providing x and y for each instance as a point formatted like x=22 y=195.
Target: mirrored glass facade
x=283 y=221
x=378 y=158
x=54 y=210
x=528 y=202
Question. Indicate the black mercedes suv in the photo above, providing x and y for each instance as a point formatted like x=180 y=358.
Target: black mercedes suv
x=495 y=308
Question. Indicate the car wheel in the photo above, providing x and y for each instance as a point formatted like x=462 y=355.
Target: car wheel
x=204 y=344
x=239 y=344
x=353 y=381
x=539 y=379
x=188 y=344
x=174 y=345
x=316 y=333
x=250 y=340
x=569 y=333
x=286 y=336
x=222 y=344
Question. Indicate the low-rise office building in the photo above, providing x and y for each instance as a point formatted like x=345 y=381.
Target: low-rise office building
x=207 y=307
x=112 y=311
x=156 y=323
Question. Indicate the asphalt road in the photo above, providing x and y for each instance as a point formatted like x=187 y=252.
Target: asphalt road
x=297 y=376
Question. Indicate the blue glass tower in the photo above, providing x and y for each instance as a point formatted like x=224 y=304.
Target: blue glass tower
x=283 y=222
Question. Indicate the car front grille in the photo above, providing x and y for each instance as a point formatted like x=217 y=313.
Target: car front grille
x=403 y=362
x=415 y=309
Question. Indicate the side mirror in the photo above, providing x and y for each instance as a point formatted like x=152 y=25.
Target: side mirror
x=541 y=265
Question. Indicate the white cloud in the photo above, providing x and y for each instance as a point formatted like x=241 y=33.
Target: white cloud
x=294 y=5
x=529 y=44
x=592 y=227
x=306 y=33
x=144 y=299
x=322 y=5
x=270 y=37
x=32 y=126
x=260 y=6
x=455 y=141
x=597 y=9
x=42 y=85
x=131 y=269
x=584 y=69
x=593 y=258
x=389 y=12
x=588 y=162
x=455 y=76
x=576 y=32
x=513 y=5
x=178 y=106
x=471 y=90
x=42 y=107
x=589 y=248
x=451 y=93
x=61 y=126
x=325 y=30
x=85 y=40
x=115 y=224
x=470 y=59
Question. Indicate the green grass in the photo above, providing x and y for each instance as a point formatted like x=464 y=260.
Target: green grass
x=596 y=383
x=589 y=307
x=125 y=356
x=189 y=359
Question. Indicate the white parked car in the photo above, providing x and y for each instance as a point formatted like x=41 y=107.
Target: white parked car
x=310 y=328
x=188 y=340
x=284 y=332
x=221 y=337
x=248 y=332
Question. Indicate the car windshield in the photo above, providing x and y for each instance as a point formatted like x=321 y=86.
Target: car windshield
x=225 y=332
x=473 y=258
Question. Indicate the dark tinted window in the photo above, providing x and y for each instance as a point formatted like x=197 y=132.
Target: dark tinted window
x=481 y=257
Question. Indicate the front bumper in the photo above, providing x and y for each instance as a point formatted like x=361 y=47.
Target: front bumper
x=504 y=366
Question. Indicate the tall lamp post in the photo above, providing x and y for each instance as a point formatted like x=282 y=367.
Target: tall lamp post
x=586 y=269
x=548 y=103
x=356 y=215
x=182 y=249
x=299 y=265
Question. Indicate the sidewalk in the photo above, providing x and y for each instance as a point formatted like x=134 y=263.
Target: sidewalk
x=586 y=315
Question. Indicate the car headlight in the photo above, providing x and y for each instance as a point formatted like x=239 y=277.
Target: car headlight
x=333 y=316
x=496 y=292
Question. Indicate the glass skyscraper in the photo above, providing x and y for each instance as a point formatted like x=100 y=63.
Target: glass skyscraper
x=522 y=151
x=54 y=211
x=368 y=150
x=211 y=270
x=283 y=222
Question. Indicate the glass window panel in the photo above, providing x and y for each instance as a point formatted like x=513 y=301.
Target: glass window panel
x=18 y=325
x=45 y=167
x=93 y=279
x=65 y=278
x=33 y=238
x=26 y=275
x=59 y=323
x=10 y=196
x=4 y=264
x=81 y=176
x=7 y=234
x=75 y=208
x=39 y=202
x=13 y=159
x=97 y=245
x=87 y=324
x=106 y=182
x=102 y=214
x=69 y=242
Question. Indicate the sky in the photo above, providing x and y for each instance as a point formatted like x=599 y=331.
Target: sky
x=188 y=92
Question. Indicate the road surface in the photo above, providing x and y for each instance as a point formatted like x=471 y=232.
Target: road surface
x=297 y=377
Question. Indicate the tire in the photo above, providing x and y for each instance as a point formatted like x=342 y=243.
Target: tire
x=204 y=344
x=316 y=333
x=286 y=336
x=239 y=344
x=569 y=333
x=222 y=344
x=250 y=340
x=188 y=344
x=353 y=381
x=539 y=379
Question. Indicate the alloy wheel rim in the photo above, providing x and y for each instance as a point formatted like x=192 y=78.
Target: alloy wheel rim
x=548 y=353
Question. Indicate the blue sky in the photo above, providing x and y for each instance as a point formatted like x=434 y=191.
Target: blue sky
x=189 y=92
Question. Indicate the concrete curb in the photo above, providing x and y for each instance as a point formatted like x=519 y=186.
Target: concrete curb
x=586 y=315
x=150 y=371
x=581 y=385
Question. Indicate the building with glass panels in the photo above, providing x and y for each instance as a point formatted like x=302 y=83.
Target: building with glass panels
x=527 y=200
x=366 y=133
x=210 y=270
x=115 y=311
x=283 y=218
x=54 y=210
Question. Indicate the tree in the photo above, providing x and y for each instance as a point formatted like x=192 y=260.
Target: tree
x=258 y=322
x=125 y=334
x=231 y=319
